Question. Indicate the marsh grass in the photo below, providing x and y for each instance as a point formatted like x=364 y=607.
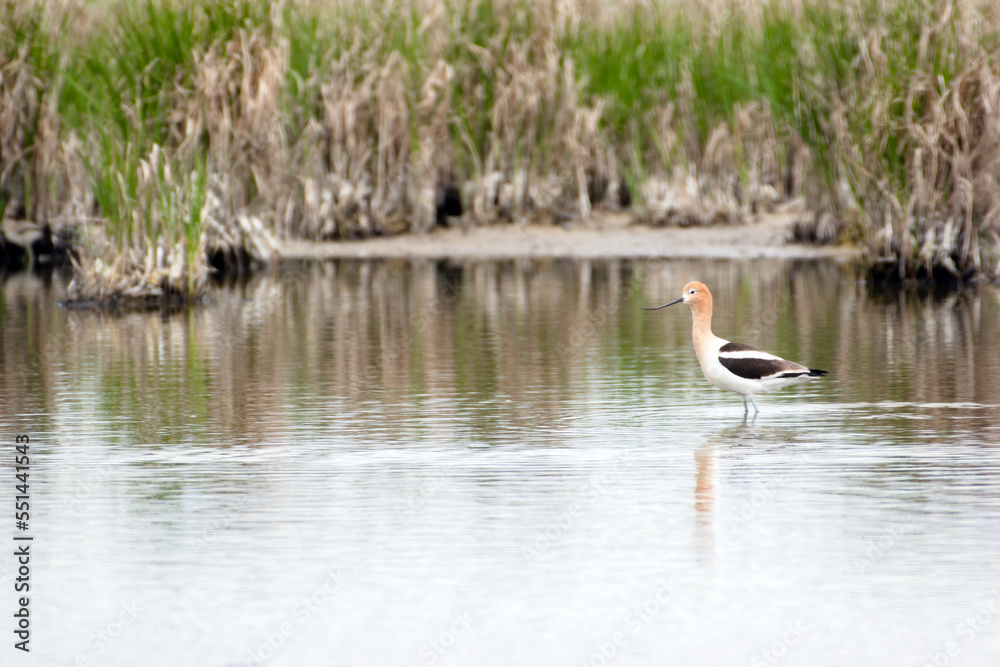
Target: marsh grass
x=174 y=135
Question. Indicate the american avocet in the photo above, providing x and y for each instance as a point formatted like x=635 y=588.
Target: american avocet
x=734 y=366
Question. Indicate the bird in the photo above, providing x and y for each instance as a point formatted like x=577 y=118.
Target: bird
x=735 y=367
x=22 y=233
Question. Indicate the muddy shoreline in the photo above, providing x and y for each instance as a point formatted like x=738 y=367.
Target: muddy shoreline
x=608 y=235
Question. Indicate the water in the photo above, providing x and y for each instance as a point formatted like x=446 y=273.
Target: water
x=412 y=463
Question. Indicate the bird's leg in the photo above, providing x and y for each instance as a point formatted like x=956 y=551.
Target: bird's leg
x=755 y=408
x=745 y=408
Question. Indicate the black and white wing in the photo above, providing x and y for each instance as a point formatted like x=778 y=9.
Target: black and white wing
x=753 y=364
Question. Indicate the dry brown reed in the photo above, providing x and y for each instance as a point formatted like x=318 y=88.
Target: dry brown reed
x=743 y=169
x=234 y=111
x=25 y=136
x=947 y=218
x=41 y=175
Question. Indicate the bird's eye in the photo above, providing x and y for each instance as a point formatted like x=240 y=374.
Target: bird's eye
x=691 y=291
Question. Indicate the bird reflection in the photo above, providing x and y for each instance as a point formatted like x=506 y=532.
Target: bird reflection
x=704 y=500
x=704 y=481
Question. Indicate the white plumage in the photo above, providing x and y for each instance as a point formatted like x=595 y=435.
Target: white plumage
x=735 y=367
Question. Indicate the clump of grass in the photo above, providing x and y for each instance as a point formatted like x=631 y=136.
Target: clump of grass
x=156 y=243
x=189 y=149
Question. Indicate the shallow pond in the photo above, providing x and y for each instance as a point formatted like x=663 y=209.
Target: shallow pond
x=505 y=463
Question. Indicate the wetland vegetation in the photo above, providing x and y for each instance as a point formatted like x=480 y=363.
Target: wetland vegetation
x=157 y=139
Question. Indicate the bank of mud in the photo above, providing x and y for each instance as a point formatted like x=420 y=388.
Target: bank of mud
x=602 y=236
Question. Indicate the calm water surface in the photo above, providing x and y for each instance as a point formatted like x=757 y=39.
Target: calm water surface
x=413 y=463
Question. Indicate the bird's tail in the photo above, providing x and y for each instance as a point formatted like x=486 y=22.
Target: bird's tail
x=815 y=372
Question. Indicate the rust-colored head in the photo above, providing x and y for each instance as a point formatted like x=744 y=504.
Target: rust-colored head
x=694 y=294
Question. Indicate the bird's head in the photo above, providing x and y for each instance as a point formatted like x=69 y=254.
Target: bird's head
x=694 y=294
